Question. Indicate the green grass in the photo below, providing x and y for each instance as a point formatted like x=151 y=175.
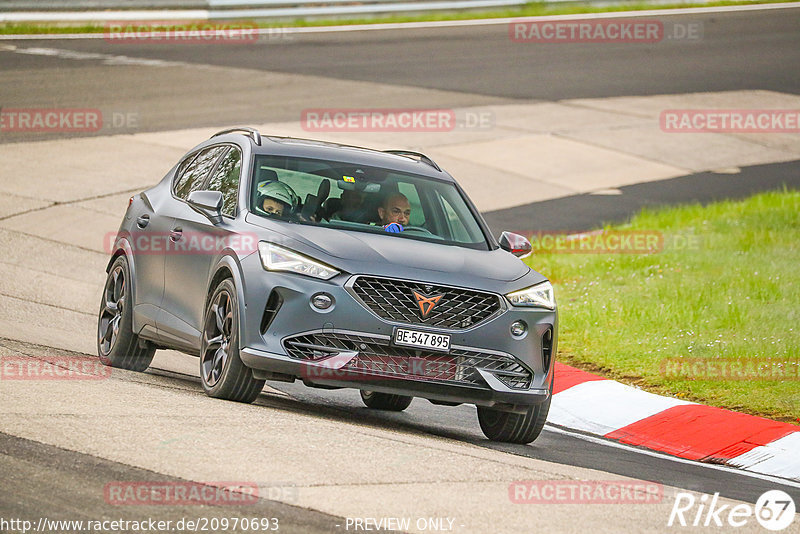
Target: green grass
x=733 y=295
x=527 y=10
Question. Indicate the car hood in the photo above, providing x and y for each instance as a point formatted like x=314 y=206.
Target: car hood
x=367 y=253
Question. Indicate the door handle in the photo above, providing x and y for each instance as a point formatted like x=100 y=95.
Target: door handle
x=143 y=221
x=175 y=234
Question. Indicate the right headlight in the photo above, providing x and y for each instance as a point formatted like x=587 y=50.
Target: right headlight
x=538 y=296
x=277 y=258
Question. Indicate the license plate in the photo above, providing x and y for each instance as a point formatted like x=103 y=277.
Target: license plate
x=422 y=340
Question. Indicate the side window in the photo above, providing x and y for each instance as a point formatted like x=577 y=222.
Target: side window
x=193 y=176
x=226 y=180
x=417 y=215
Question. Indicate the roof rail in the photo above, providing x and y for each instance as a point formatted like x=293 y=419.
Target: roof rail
x=422 y=157
x=253 y=133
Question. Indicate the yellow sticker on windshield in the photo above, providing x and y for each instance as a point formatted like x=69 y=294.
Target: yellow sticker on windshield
x=349 y=179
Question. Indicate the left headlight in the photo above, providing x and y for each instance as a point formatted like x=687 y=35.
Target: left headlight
x=538 y=296
x=277 y=258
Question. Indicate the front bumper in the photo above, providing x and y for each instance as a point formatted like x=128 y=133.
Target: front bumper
x=358 y=353
x=491 y=393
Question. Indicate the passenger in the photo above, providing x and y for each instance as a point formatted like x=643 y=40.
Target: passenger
x=276 y=199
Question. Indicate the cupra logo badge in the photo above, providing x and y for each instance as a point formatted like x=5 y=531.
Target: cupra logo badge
x=426 y=303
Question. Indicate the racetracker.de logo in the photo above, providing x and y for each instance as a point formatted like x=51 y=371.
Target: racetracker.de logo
x=182 y=33
x=183 y=243
x=53 y=368
x=597 y=242
x=378 y=120
x=730 y=120
x=586 y=31
x=584 y=492
x=740 y=369
x=371 y=367
x=180 y=493
x=50 y=120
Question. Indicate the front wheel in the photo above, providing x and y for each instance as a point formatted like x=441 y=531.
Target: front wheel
x=222 y=372
x=385 y=401
x=117 y=345
x=514 y=427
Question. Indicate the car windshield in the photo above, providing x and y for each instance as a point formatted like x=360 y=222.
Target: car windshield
x=362 y=198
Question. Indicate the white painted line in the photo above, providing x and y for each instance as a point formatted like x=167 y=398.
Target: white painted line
x=577 y=16
x=142 y=16
x=780 y=457
x=104 y=16
x=595 y=406
x=609 y=443
x=107 y=59
x=361 y=9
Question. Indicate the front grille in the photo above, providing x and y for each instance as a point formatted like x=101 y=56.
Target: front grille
x=377 y=357
x=394 y=300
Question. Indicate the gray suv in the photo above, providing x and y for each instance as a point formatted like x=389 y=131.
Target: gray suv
x=274 y=258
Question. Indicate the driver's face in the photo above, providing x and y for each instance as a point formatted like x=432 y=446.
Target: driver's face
x=272 y=207
x=397 y=210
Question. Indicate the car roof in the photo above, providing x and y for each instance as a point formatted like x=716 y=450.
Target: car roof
x=398 y=160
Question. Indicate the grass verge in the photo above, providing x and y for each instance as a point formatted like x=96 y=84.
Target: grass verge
x=527 y=10
x=719 y=301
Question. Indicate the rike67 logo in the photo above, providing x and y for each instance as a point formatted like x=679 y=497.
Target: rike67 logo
x=774 y=510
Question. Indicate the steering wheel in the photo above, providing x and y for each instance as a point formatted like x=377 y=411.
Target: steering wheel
x=418 y=229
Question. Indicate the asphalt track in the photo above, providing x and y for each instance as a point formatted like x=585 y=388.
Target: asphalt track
x=70 y=486
x=474 y=64
x=553 y=445
x=587 y=211
x=479 y=65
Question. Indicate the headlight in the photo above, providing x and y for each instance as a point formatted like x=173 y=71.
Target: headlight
x=276 y=258
x=538 y=296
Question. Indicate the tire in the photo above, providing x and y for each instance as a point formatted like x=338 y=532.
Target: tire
x=385 y=401
x=117 y=345
x=222 y=372
x=513 y=427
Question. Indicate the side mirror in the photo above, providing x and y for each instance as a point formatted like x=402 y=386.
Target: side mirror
x=209 y=203
x=516 y=244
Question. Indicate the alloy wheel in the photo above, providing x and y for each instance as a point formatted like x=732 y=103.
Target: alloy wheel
x=113 y=306
x=217 y=337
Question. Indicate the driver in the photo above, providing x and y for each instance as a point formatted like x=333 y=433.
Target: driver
x=395 y=212
x=276 y=199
